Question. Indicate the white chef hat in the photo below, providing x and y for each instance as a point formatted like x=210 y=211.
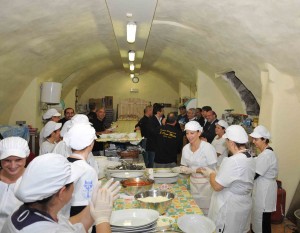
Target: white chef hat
x=50 y=127
x=236 y=133
x=45 y=176
x=80 y=136
x=50 y=113
x=14 y=146
x=222 y=123
x=67 y=125
x=80 y=119
x=261 y=132
x=193 y=126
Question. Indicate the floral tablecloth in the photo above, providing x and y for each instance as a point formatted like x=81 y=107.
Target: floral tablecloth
x=182 y=204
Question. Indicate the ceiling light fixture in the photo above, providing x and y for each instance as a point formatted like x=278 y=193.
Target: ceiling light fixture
x=131 y=31
x=131 y=75
x=131 y=55
x=131 y=66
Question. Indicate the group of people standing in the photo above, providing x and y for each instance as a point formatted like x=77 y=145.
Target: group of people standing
x=59 y=191
x=233 y=190
x=56 y=192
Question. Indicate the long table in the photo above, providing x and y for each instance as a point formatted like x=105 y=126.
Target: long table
x=182 y=204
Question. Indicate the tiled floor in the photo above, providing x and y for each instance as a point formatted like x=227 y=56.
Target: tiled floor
x=286 y=227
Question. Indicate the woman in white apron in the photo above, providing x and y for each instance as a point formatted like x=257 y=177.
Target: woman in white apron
x=46 y=186
x=231 y=202
x=13 y=153
x=265 y=187
x=219 y=143
x=195 y=154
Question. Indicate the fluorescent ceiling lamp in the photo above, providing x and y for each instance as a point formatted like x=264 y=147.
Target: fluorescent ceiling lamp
x=131 y=55
x=131 y=31
x=131 y=75
x=131 y=66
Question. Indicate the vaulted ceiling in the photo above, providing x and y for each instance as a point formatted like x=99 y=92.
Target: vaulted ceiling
x=78 y=41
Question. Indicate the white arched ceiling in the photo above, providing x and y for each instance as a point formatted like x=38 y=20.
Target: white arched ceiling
x=73 y=41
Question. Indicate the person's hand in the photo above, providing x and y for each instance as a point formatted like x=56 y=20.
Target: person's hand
x=176 y=169
x=102 y=201
x=206 y=171
x=114 y=188
x=187 y=170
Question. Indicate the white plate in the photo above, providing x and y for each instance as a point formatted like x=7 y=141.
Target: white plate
x=194 y=223
x=126 y=175
x=163 y=170
x=131 y=228
x=165 y=174
x=133 y=217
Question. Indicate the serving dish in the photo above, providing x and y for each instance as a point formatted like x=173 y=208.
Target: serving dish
x=156 y=204
x=195 y=223
x=132 y=186
x=125 y=175
x=133 y=217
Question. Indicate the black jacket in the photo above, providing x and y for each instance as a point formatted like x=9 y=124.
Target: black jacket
x=209 y=131
x=151 y=130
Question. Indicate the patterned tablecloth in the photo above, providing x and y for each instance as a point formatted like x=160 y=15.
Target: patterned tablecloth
x=182 y=204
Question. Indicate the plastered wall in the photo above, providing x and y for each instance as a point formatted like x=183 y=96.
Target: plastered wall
x=150 y=88
x=27 y=107
x=280 y=111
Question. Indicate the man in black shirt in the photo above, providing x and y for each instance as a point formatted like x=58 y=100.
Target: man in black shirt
x=98 y=124
x=153 y=124
x=169 y=144
x=92 y=114
x=141 y=125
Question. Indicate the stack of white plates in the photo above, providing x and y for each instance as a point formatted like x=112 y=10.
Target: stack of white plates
x=134 y=220
x=126 y=175
x=162 y=177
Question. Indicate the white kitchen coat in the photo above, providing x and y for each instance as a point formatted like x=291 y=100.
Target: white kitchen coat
x=62 y=149
x=41 y=138
x=221 y=148
x=8 y=201
x=46 y=147
x=83 y=187
x=47 y=226
x=205 y=156
x=265 y=187
x=230 y=208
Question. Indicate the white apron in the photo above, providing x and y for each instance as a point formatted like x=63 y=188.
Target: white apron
x=231 y=211
x=264 y=196
x=265 y=187
x=205 y=156
x=201 y=191
x=231 y=207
